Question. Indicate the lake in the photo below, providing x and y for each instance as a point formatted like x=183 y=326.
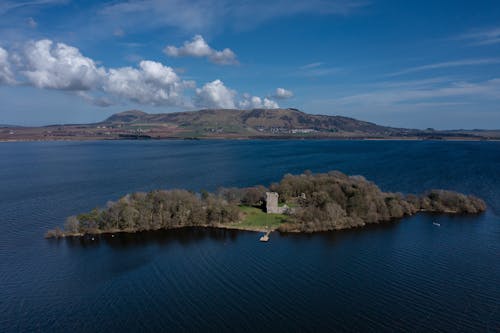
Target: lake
x=404 y=276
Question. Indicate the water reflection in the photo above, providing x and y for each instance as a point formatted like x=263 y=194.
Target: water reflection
x=182 y=236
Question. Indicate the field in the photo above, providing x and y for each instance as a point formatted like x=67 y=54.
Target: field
x=256 y=219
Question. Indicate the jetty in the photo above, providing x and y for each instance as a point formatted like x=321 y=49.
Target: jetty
x=265 y=237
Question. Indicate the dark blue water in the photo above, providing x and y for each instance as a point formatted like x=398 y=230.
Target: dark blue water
x=407 y=276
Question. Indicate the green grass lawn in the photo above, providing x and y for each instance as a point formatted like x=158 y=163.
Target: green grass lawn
x=256 y=218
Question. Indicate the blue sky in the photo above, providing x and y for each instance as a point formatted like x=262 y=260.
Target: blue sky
x=413 y=64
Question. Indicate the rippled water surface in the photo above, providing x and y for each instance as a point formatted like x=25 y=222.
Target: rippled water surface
x=406 y=276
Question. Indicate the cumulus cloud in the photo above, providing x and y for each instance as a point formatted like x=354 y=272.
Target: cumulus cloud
x=151 y=83
x=6 y=76
x=282 y=93
x=48 y=65
x=255 y=102
x=60 y=66
x=215 y=95
x=198 y=47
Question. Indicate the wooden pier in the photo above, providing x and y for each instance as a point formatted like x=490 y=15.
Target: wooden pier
x=265 y=238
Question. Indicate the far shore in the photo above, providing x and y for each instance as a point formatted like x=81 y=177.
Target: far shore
x=263 y=138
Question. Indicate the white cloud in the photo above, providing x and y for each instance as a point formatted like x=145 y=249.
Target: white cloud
x=118 y=32
x=215 y=95
x=255 y=102
x=482 y=37
x=101 y=101
x=48 y=65
x=317 y=69
x=224 y=57
x=60 y=66
x=6 y=75
x=312 y=65
x=31 y=23
x=198 y=47
x=152 y=83
x=282 y=93
x=270 y=104
x=210 y=15
x=448 y=64
x=456 y=92
x=6 y=6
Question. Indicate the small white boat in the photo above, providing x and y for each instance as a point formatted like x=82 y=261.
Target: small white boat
x=436 y=224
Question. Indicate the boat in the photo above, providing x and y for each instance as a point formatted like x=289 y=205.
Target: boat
x=436 y=224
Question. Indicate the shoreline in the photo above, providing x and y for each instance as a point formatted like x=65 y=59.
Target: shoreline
x=329 y=202
x=244 y=228
x=412 y=139
x=129 y=231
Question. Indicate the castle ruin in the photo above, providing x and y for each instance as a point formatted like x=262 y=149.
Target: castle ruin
x=272 y=204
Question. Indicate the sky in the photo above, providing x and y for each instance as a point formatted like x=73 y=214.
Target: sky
x=415 y=64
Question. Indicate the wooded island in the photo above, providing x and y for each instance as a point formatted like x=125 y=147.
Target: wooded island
x=304 y=203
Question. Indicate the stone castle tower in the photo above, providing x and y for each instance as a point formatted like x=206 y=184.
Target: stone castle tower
x=272 y=203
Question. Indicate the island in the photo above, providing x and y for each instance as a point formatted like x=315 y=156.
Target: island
x=298 y=203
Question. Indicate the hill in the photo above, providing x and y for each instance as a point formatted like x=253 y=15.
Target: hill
x=249 y=123
x=230 y=124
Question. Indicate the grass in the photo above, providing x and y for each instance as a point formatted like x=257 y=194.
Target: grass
x=256 y=218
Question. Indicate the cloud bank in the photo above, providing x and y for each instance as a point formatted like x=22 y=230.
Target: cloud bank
x=48 y=65
x=45 y=64
x=6 y=76
x=198 y=47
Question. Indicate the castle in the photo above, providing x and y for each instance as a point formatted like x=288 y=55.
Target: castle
x=272 y=204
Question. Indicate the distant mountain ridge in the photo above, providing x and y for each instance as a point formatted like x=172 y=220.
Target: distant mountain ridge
x=255 y=121
x=232 y=124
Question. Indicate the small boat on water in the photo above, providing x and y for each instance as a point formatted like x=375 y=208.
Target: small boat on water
x=264 y=238
x=436 y=224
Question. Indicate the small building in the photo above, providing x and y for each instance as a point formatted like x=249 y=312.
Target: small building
x=272 y=204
